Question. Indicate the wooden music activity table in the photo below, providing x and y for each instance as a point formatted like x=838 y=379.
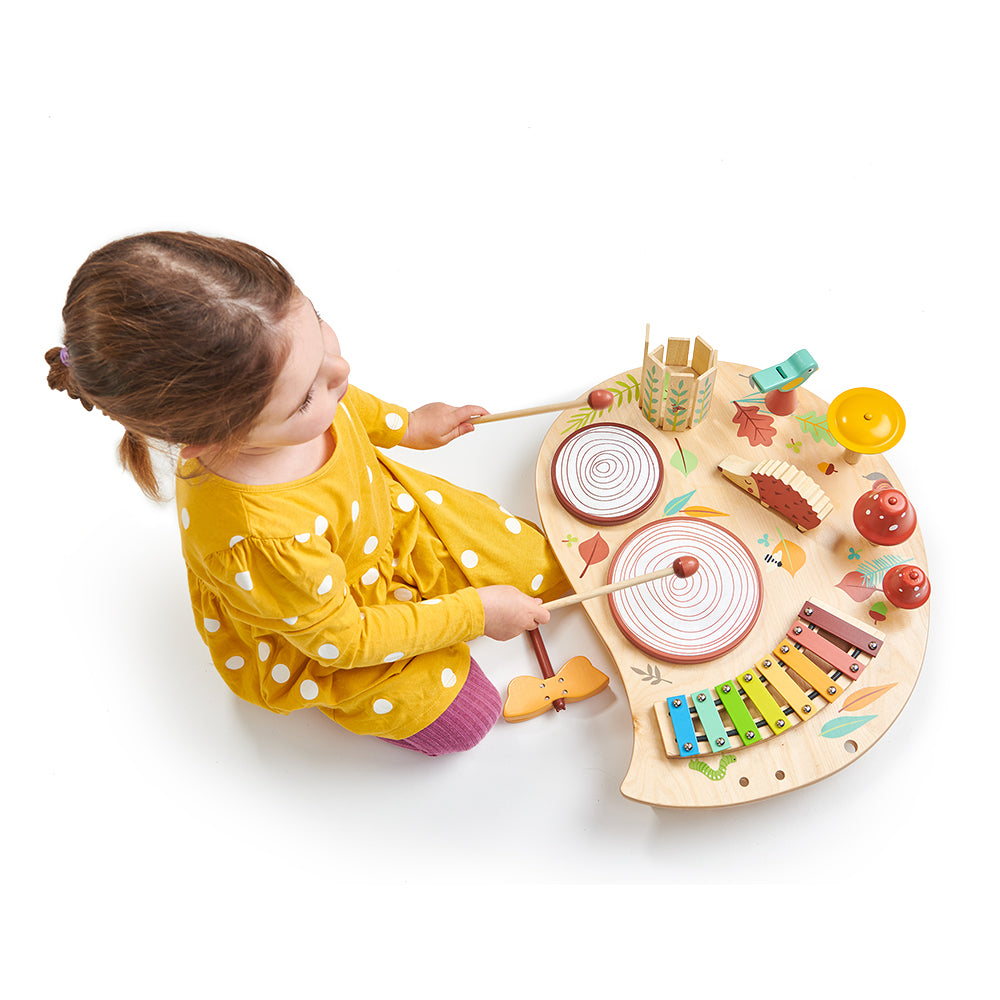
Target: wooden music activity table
x=781 y=660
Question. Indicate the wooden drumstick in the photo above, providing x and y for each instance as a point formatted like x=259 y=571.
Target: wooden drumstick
x=598 y=399
x=544 y=663
x=682 y=566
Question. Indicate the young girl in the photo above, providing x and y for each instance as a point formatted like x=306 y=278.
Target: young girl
x=321 y=572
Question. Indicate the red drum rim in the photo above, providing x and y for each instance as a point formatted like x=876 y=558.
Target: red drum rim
x=614 y=494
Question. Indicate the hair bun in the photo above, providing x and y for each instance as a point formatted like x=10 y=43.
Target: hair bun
x=60 y=375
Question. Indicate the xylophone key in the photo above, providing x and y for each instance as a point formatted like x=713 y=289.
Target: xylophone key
x=769 y=709
x=711 y=721
x=746 y=728
x=774 y=673
x=680 y=717
x=796 y=660
x=868 y=640
x=826 y=650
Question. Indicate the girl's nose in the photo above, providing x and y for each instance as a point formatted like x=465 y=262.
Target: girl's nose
x=339 y=370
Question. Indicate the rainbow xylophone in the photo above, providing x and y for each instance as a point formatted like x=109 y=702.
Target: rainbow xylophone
x=821 y=653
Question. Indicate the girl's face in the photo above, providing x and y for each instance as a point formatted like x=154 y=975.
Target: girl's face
x=309 y=387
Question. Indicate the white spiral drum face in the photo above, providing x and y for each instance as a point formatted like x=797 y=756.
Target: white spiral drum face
x=686 y=620
x=606 y=473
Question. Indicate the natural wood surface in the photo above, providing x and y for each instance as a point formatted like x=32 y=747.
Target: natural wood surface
x=815 y=563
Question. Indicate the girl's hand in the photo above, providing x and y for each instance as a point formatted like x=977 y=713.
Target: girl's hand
x=436 y=424
x=509 y=612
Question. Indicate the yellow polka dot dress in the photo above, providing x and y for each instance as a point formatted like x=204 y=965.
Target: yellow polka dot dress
x=351 y=590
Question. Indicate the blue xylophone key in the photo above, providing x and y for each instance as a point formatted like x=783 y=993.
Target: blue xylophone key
x=680 y=717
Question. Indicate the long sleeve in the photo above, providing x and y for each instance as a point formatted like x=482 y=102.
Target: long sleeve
x=352 y=590
x=299 y=590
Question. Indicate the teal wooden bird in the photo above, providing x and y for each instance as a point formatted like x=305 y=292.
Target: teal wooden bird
x=780 y=381
x=790 y=374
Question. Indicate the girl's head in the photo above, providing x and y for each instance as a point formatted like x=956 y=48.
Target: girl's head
x=177 y=337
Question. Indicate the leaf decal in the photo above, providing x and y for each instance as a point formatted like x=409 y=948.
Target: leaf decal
x=651 y=674
x=793 y=557
x=874 y=569
x=816 y=427
x=758 y=428
x=703 y=512
x=677 y=404
x=703 y=401
x=855 y=587
x=758 y=399
x=864 y=697
x=626 y=391
x=593 y=550
x=677 y=504
x=836 y=728
x=683 y=461
x=650 y=394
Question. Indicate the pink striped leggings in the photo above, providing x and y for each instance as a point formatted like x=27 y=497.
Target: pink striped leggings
x=463 y=723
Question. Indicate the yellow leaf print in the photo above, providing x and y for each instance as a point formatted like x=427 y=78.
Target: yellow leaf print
x=793 y=557
x=704 y=512
x=864 y=697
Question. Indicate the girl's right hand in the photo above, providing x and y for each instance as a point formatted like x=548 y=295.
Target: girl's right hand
x=509 y=612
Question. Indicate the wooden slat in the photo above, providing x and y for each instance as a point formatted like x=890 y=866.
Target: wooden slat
x=848 y=665
x=774 y=673
x=796 y=660
x=769 y=709
x=711 y=722
x=743 y=723
x=860 y=636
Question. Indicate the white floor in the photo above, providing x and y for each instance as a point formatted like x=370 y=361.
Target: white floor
x=489 y=207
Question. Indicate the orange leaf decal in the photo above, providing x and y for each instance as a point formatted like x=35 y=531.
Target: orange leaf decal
x=758 y=428
x=594 y=550
x=863 y=698
x=793 y=557
x=703 y=512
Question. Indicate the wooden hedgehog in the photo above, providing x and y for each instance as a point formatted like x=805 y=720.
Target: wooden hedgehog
x=779 y=486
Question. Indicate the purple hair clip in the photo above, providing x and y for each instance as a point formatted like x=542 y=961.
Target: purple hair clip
x=64 y=356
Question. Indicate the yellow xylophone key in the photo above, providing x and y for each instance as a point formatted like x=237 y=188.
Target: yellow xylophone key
x=769 y=709
x=796 y=660
x=774 y=673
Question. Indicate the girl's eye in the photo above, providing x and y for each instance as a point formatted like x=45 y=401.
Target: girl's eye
x=306 y=402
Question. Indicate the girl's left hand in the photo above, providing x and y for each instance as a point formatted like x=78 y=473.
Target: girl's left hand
x=436 y=424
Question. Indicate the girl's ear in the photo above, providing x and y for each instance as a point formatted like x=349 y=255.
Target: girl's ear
x=192 y=451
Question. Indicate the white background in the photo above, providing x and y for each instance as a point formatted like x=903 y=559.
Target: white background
x=489 y=202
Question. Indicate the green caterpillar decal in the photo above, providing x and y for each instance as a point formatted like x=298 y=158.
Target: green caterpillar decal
x=714 y=773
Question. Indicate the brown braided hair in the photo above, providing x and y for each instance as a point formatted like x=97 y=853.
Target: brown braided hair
x=175 y=336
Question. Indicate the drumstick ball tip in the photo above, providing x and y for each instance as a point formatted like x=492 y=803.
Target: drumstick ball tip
x=600 y=399
x=685 y=566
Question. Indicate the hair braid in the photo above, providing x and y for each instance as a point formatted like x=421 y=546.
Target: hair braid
x=60 y=376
